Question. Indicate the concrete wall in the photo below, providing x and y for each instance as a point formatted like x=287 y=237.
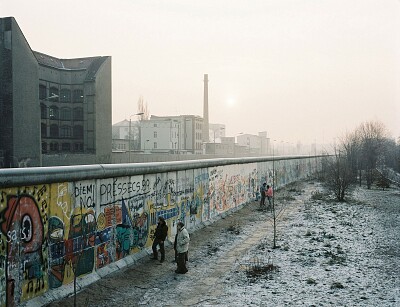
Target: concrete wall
x=95 y=219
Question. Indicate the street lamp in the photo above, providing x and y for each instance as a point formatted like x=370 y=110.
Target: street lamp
x=273 y=190
x=130 y=133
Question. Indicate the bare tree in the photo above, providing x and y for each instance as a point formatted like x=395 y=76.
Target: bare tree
x=350 y=147
x=143 y=108
x=391 y=154
x=372 y=135
x=339 y=175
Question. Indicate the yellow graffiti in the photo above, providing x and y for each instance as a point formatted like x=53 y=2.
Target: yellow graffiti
x=101 y=221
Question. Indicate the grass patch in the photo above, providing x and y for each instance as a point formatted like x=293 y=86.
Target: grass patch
x=317 y=195
x=257 y=269
x=234 y=228
x=334 y=259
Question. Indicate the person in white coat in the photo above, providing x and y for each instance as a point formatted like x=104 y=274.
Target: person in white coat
x=182 y=247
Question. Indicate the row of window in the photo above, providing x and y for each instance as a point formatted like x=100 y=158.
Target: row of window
x=64 y=95
x=63 y=132
x=55 y=113
x=62 y=147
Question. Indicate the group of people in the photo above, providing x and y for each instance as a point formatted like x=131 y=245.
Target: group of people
x=182 y=238
x=181 y=244
x=266 y=192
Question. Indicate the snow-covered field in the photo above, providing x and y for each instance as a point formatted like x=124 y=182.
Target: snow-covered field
x=331 y=254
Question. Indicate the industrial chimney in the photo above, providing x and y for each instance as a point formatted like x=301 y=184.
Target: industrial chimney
x=206 y=134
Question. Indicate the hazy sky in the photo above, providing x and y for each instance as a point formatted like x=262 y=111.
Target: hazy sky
x=298 y=69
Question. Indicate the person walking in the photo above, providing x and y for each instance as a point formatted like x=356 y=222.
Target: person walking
x=262 y=192
x=269 y=194
x=159 y=237
x=182 y=246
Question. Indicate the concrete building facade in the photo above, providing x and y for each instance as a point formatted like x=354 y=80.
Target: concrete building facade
x=126 y=135
x=53 y=111
x=255 y=144
x=172 y=134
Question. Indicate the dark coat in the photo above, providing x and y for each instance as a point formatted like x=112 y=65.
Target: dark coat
x=161 y=231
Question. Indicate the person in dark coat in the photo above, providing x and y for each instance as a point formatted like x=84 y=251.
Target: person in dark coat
x=159 y=237
x=262 y=194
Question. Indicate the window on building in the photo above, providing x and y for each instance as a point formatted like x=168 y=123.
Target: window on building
x=44 y=147
x=66 y=147
x=65 y=95
x=155 y=144
x=78 y=132
x=42 y=92
x=53 y=146
x=54 y=131
x=155 y=125
x=78 y=114
x=43 y=111
x=66 y=114
x=78 y=147
x=53 y=112
x=65 y=132
x=78 y=95
x=155 y=134
x=43 y=130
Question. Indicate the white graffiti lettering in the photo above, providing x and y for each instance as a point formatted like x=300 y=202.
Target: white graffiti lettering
x=62 y=191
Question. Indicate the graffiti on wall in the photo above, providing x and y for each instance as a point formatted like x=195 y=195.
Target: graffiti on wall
x=52 y=233
x=201 y=196
x=23 y=243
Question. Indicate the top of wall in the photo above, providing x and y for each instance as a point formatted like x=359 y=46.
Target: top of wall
x=35 y=175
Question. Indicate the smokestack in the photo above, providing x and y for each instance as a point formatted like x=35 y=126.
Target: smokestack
x=206 y=134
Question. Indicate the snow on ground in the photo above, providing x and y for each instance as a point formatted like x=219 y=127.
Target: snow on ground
x=332 y=254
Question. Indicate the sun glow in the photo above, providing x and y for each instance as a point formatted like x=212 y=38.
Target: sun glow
x=230 y=102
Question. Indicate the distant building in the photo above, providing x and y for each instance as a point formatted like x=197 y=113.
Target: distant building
x=172 y=134
x=215 y=146
x=264 y=143
x=216 y=132
x=126 y=135
x=229 y=142
x=255 y=144
x=53 y=111
x=224 y=147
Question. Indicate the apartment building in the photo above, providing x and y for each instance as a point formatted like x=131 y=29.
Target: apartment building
x=53 y=111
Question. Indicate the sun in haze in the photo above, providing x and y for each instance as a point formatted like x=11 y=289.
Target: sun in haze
x=230 y=102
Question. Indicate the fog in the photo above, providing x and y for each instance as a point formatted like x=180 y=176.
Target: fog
x=302 y=70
